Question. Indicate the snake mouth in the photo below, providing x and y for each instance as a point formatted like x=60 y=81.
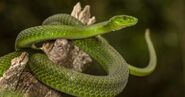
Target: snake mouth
x=130 y=20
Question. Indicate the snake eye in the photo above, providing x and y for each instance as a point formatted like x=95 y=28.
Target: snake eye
x=128 y=20
x=124 y=18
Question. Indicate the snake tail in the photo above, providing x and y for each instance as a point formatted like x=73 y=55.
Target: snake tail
x=136 y=71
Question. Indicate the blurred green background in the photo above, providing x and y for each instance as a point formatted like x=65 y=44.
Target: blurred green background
x=165 y=18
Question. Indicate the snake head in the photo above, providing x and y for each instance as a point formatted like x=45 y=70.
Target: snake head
x=122 y=21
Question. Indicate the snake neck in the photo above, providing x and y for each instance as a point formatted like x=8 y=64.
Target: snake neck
x=100 y=28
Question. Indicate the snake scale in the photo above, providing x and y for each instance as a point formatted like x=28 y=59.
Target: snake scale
x=89 y=39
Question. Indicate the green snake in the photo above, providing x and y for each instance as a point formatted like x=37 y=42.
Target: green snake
x=89 y=39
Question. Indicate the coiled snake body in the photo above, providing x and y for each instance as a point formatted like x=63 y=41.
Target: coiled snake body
x=88 y=39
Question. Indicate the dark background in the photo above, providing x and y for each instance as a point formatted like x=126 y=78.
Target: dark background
x=165 y=18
